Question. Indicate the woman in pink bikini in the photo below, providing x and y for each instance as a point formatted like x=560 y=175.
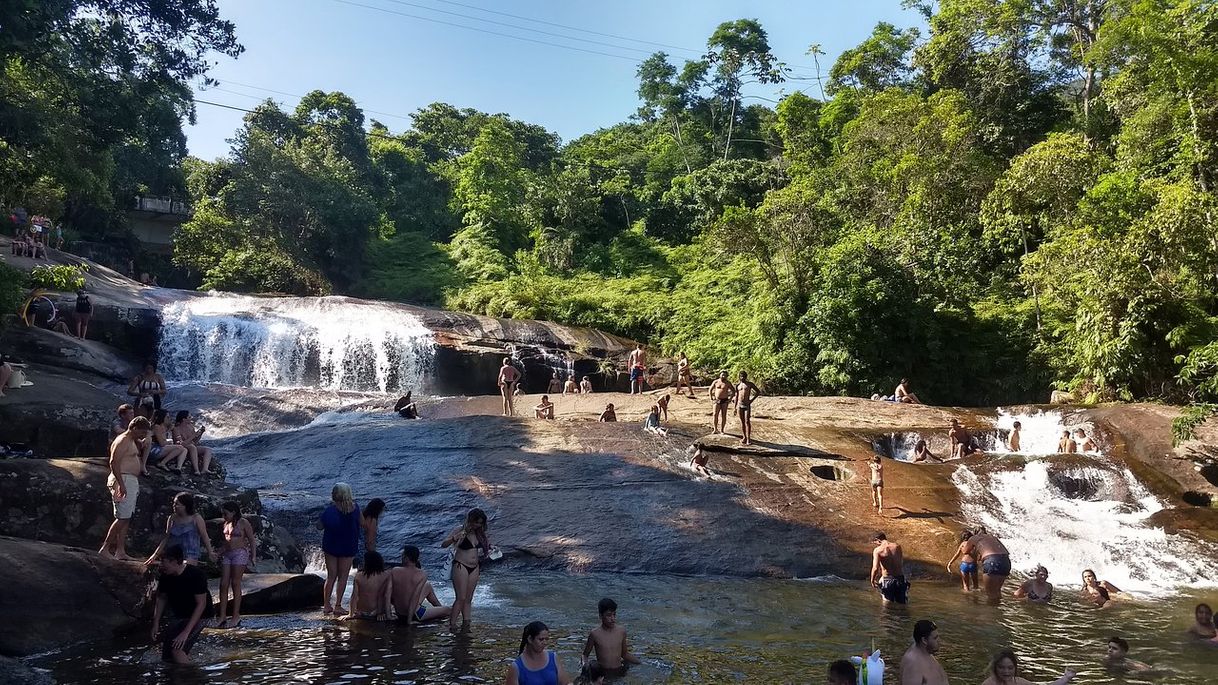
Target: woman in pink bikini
x=237 y=554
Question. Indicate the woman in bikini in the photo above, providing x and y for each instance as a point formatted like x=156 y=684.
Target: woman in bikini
x=1036 y=589
x=238 y=553
x=1203 y=623
x=1095 y=591
x=161 y=447
x=148 y=385
x=472 y=544
x=877 y=483
x=372 y=592
x=968 y=563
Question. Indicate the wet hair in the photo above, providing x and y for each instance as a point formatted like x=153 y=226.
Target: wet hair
x=159 y=416
x=605 y=605
x=411 y=553
x=879 y=535
x=545 y=398
x=1039 y=568
x=472 y=517
x=1199 y=606
x=1000 y=657
x=842 y=671
x=531 y=631
x=1017 y=425
x=139 y=423
x=923 y=629
x=341 y=495
x=180 y=417
x=965 y=535
x=374 y=563
x=921 y=444
x=376 y=505
x=744 y=376
x=234 y=507
x=174 y=553
x=1085 y=572
x=187 y=501
x=1119 y=643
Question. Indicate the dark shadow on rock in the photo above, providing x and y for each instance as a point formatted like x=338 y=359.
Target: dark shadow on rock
x=924 y=514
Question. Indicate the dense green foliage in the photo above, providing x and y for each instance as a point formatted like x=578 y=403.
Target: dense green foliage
x=1022 y=196
x=63 y=277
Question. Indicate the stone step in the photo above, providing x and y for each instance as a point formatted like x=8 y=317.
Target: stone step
x=270 y=593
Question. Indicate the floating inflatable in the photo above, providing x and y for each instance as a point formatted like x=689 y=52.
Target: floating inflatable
x=871 y=668
x=28 y=310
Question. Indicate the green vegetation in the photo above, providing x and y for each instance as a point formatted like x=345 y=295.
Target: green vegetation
x=1024 y=197
x=58 y=277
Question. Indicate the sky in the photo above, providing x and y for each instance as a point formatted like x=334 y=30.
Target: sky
x=395 y=56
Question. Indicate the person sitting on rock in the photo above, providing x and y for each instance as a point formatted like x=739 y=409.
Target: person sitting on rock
x=698 y=458
x=545 y=410
x=159 y=445
x=922 y=453
x=412 y=591
x=585 y=386
x=902 y=393
x=570 y=388
x=651 y=424
x=405 y=408
x=609 y=415
x=185 y=434
x=961 y=441
x=372 y=591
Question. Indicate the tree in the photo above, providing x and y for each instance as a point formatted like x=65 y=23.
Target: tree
x=736 y=50
x=878 y=63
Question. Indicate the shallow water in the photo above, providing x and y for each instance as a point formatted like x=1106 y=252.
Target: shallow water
x=686 y=630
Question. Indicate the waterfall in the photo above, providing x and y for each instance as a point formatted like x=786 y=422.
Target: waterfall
x=1070 y=517
x=285 y=342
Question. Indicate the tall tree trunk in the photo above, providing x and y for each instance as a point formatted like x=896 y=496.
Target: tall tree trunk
x=676 y=124
x=731 y=119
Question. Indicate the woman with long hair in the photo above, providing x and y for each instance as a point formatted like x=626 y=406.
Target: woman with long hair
x=340 y=526
x=185 y=434
x=187 y=530
x=472 y=544
x=369 y=523
x=1004 y=670
x=372 y=591
x=238 y=553
x=1036 y=589
x=161 y=447
x=534 y=664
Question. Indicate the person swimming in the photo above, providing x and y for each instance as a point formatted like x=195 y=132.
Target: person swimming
x=1203 y=623
x=1036 y=589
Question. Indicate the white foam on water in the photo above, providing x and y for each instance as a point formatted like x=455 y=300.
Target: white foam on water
x=1040 y=525
x=288 y=342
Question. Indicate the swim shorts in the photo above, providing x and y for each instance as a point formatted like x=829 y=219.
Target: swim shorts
x=894 y=589
x=996 y=565
x=125 y=508
x=968 y=567
x=171 y=633
x=155 y=451
x=636 y=373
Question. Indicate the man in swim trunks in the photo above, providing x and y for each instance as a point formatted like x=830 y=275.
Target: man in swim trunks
x=919 y=665
x=995 y=562
x=746 y=392
x=638 y=368
x=124 y=485
x=721 y=392
x=902 y=393
x=412 y=591
x=555 y=385
x=508 y=377
x=888 y=570
x=961 y=440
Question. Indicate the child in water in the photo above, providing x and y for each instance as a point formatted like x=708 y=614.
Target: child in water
x=877 y=483
x=609 y=641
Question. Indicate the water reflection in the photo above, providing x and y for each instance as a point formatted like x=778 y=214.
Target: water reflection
x=687 y=630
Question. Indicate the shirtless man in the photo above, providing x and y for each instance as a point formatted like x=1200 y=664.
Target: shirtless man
x=555 y=385
x=721 y=392
x=902 y=393
x=1065 y=445
x=124 y=485
x=746 y=392
x=508 y=377
x=683 y=375
x=609 y=641
x=122 y=420
x=995 y=562
x=888 y=570
x=545 y=410
x=1013 y=440
x=919 y=665
x=585 y=386
x=961 y=440
x=570 y=388
x=638 y=368
x=411 y=589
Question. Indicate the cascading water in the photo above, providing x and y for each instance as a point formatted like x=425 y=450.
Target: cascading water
x=1070 y=516
x=1039 y=431
x=326 y=342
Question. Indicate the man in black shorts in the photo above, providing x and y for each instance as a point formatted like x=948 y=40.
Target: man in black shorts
x=184 y=589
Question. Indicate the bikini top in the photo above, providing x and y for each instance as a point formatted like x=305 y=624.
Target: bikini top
x=465 y=543
x=1032 y=595
x=232 y=530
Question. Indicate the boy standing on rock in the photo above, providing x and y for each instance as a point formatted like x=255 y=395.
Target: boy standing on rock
x=124 y=485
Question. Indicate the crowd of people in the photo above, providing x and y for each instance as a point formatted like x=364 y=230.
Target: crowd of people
x=32 y=236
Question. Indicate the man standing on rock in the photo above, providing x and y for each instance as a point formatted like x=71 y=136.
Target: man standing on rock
x=746 y=392
x=638 y=368
x=721 y=392
x=995 y=562
x=508 y=377
x=919 y=665
x=888 y=570
x=124 y=484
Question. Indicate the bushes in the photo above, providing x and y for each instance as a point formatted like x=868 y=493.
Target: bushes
x=58 y=277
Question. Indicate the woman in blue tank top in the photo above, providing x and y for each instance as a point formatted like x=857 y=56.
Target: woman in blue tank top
x=536 y=665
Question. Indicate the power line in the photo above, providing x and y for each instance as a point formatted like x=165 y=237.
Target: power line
x=571 y=28
x=522 y=28
x=293 y=95
x=493 y=33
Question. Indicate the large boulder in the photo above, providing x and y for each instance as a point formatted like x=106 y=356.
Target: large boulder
x=43 y=346
x=66 y=501
x=57 y=595
x=64 y=413
x=270 y=593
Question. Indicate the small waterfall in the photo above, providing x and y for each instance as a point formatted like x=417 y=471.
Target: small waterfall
x=1074 y=513
x=1040 y=430
x=285 y=342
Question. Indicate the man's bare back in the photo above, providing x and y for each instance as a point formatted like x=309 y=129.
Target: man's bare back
x=890 y=559
x=920 y=668
x=985 y=545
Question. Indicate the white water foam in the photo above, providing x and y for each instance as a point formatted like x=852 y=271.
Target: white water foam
x=289 y=342
x=1040 y=525
x=1040 y=431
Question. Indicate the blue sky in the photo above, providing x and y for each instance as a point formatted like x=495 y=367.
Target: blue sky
x=395 y=64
